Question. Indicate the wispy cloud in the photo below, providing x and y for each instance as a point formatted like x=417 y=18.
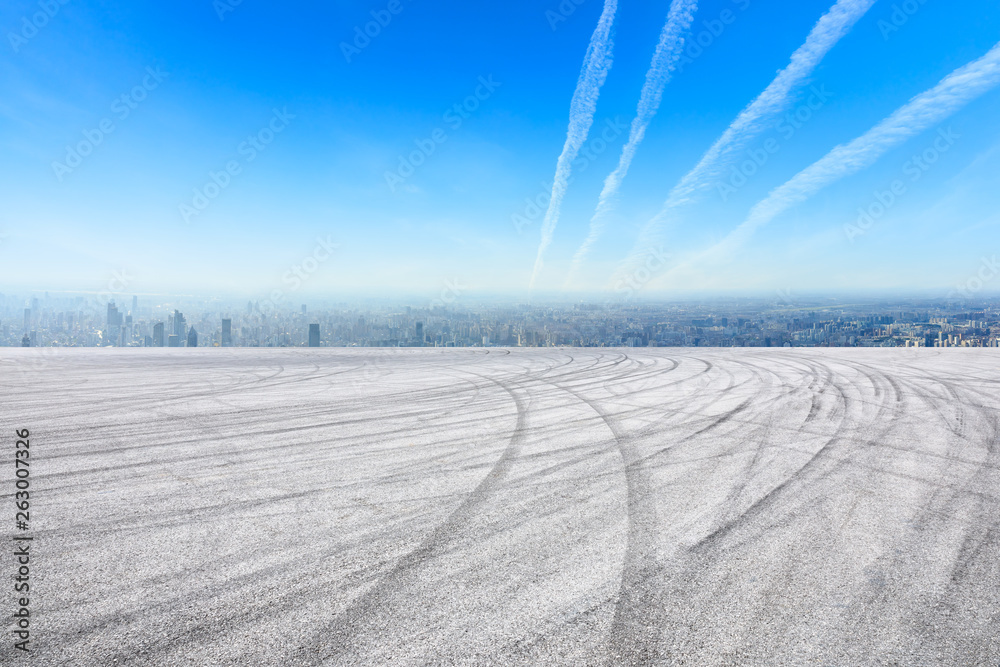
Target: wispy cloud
x=668 y=52
x=774 y=100
x=919 y=114
x=596 y=66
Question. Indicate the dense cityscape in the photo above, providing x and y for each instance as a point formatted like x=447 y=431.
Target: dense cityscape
x=86 y=321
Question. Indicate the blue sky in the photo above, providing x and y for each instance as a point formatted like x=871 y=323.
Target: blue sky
x=340 y=119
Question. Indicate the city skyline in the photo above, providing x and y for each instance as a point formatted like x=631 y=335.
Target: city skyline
x=786 y=321
x=288 y=150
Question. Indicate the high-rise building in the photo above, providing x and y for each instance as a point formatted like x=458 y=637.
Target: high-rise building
x=158 y=334
x=420 y=333
x=27 y=319
x=25 y=342
x=313 y=335
x=227 y=333
x=114 y=317
x=115 y=334
x=173 y=341
x=192 y=338
x=135 y=305
x=180 y=324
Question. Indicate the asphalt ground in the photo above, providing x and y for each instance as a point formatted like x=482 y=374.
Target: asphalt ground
x=516 y=507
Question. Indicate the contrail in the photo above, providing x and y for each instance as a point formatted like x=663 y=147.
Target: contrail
x=776 y=98
x=925 y=110
x=661 y=70
x=596 y=66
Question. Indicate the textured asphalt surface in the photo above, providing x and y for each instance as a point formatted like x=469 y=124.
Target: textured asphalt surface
x=555 y=506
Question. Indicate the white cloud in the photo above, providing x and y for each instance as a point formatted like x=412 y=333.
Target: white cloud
x=919 y=114
x=665 y=59
x=596 y=66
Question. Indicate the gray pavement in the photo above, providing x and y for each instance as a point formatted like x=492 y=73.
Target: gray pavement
x=521 y=507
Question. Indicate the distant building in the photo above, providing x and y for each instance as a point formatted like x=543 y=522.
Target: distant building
x=25 y=342
x=227 y=333
x=27 y=319
x=420 y=333
x=114 y=317
x=192 y=338
x=180 y=324
x=158 y=334
x=173 y=341
x=313 y=335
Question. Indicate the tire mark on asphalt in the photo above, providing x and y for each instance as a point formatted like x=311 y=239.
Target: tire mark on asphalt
x=365 y=613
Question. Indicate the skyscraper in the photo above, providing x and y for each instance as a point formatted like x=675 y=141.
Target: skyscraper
x=192 y=338
x=27 y=319
x=313 y=335
x=158 y=334
x=114 y=325
x=173 y=341
x=114 y=317
x=227 y=333
x=420 y=333
x=180 y=324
